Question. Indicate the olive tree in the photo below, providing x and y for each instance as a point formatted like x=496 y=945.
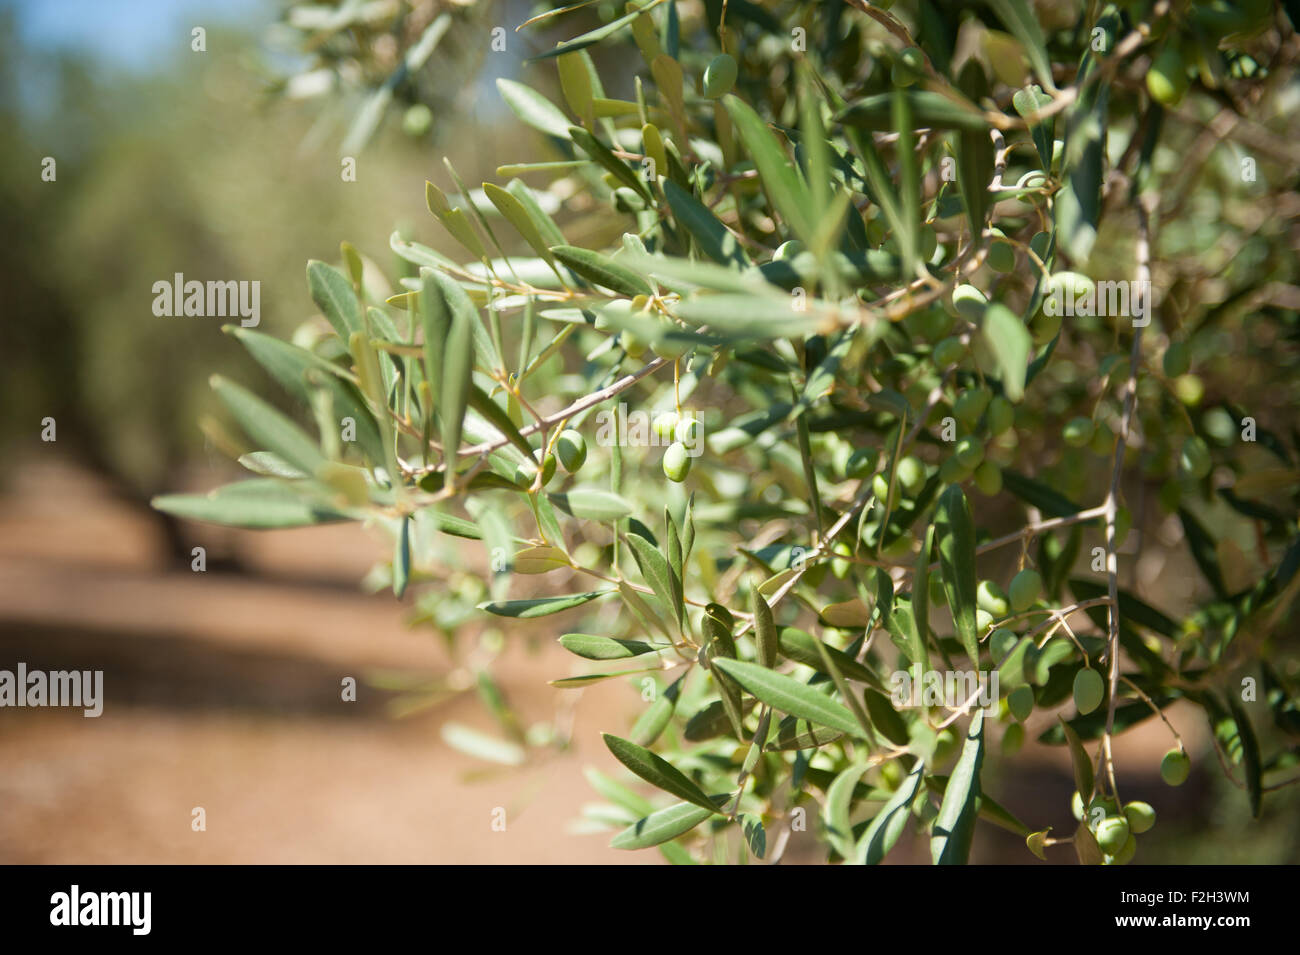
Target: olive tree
x=829 y=389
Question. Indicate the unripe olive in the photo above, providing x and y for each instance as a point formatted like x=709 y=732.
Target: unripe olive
x=945 y=744
x=983 y=619
x=1024 y=590
x=839 y=566
x=1140 y=815
x=1077 y=431
x=670 y=349
x=911 y=474
x=1020 y=702
x=861 y=463
x=1038 y=244
x=969 y=301
x=1043 y=327
x=1189 y=389
x=948 y=352
x=677 y=463
x=572 y=450
x=1167 y=77
x=1076 y=806
x=665 y=424
x=969 y=451
x=548 y=469
x=988 y=478
x=1111 y=834
x=720 y=76
x=953 y=471
x=1175 y=767
x=1089 y=688
x=1195 y=458
x=632 y=345
x=417 y=120
x=970 y=404
x=891 y=774
x=1126 y=852
x=880 y=487
x=1177 y=359
x=1002 y=415
x=989 y=597
x=688 y=430
x=1002 y=257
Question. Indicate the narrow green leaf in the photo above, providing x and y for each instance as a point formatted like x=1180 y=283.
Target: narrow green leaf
x=887 y=825
x=705 y=228
x=593 y=647
x=268 y=427
x=533 y=108
x=592 y=504
x=1250 y=759
x=480 y=745
x=661 y=826
x=654 y=720
x=954 y=827
x=540 y=606
x=605 y=157
x=602 y=271
x=801 y=646
x=764 y=629
x=1083 y=778
x=402 y=559
x=261 y=503
x=333 y=295
x=656 y=770
x=517 y=215
x=1007 y=338
x=835 y=811
x=955 y=534
x=789 y=194
x=885 y=718
x=788 y=695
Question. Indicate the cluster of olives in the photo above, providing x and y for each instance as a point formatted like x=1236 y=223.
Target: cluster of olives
x=684 y=430
x=1115 y=831
x=1183 y=50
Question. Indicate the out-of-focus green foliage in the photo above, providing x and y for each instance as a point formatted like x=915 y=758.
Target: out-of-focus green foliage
x=854 y=351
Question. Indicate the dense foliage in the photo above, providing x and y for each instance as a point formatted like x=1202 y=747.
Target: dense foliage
x=841 y=428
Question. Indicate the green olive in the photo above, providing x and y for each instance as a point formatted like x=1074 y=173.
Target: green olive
x=969 y=451
x=1002 y=415
x=633 y=346
x=953 y=471
x=989 y=597
x=1001 y=643
x=1195 y=458
x=664 y=424
x=1024 y=590
x=970 y=404
x=861 y=463
x=1175 y=767
x=1167 y=76
x=1089 y=688
x=1112 y=833
x=1126 y=852
x=417 y=120
x=1077 y=431
x=677 y=463
x=988 y=478
x=911 y=474
x=1140 y=815
x=572 y=450
x=720 y=76
x=687 y=430
x=880 y=487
